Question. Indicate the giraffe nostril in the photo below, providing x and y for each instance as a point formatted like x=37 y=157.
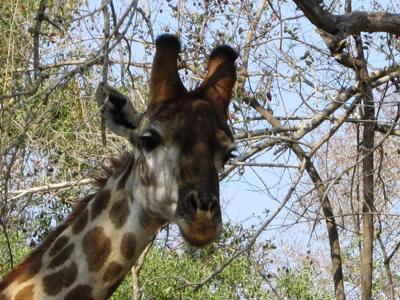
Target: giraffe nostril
x=192 y=202
x=214 y=206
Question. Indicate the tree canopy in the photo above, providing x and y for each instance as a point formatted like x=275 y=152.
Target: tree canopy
x=315 y=115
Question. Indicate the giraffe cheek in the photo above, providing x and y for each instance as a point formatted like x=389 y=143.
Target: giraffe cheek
x=144 y=173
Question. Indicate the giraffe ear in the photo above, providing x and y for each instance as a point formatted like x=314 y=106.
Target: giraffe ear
x=165 y=82
x=220 y=79
x=118 y=112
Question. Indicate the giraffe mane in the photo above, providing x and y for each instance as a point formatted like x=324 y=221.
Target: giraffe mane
x=112 y=166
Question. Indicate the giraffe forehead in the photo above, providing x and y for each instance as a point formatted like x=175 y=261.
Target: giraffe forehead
x=177 y=113
x=187 y=121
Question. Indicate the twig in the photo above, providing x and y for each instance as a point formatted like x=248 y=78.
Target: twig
x=325 y=202
x=36 y=37
x=260 y=230
x=106 y=45
x=390 y=256
x=137 y=267
x=66 y=77
x=82 y=62
x=95 y=11
x=340 y=122
x=8 y=242
x=50 y=186
x=386 y=263
x=250 y=164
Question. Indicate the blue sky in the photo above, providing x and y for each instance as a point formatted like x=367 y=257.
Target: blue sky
x=247 y=197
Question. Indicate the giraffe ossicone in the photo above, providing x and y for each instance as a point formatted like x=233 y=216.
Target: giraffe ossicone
x=180 y=143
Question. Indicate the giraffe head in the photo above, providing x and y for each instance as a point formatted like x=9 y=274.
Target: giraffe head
x=181 y=141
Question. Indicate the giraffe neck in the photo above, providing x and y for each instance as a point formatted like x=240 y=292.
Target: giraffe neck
x=95 y=249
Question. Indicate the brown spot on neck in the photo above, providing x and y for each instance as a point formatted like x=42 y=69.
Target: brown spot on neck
x=26 y=293
x=100 y=203
x=58 y=245
x=81 y=222
x=31 y=269
x=113 y=271
x=128 y=245
x=61 y=257
x=97 y=248
x=54 y=282
x=119 y=213
x=81 y=292
x=33 y=263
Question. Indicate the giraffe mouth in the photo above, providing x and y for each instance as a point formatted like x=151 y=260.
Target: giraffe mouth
x=202 y=231
x=198 y=215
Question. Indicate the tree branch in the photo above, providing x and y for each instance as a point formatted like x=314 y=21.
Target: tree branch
x=50 y=186
x=352 y=23
x=326 y=205
x=317 y=16
x=250 y=164
x=36 y=36
x=104 y=72
x=137 y=267
x=260 y=230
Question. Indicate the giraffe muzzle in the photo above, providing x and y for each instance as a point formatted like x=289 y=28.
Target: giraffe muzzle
x=199 y=218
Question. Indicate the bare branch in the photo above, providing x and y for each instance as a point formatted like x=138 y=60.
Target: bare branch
x=358 y=21
x=389 y=274
x=325 y=202
x=50 y=186
x=351 y=23
x=106 y=45
x=250 y=164
x=136 y=272
x=254 y=238
x=317 y=15
x=36 y=36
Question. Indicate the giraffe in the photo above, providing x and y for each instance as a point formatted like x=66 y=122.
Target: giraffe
x=179 y=145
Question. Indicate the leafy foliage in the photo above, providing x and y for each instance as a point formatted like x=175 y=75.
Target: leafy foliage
x=50 y=132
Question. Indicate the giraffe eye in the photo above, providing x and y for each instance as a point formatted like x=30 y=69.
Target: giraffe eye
x=150 y=140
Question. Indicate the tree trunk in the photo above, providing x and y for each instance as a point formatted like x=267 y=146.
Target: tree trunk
x=368 y=175
x=327 y=209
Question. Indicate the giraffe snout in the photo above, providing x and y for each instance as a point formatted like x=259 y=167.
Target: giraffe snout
x=200 y=218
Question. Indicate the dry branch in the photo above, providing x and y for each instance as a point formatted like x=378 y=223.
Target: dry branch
x=50 y=186
x=36 y=36
x=267 y=165
x=136 y=272
x=351 y=23
x=104 y=72
x=255 y=236
x=326 y=205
